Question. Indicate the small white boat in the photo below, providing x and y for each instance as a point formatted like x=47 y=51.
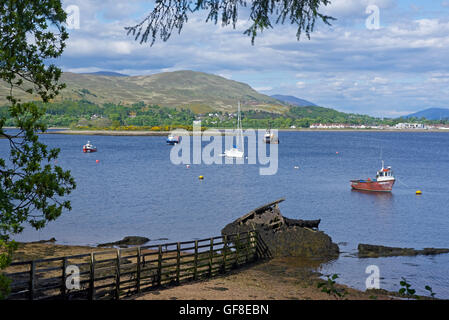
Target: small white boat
x=172 y=139
x=269 y=137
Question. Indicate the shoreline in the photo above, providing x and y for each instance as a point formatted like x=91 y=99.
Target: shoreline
x=275 y=279
x=166 y=133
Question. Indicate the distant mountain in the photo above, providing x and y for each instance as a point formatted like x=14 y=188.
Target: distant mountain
x=197 y=91
x=431 y=114
x=107 y=73
x=293 y=101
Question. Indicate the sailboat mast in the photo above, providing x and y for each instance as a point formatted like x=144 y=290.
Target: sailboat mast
x=239 y=127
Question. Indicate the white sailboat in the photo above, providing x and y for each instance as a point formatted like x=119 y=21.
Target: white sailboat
x=237 y=150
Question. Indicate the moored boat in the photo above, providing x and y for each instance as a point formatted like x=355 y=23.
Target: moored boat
x=172 y=139
x=88 y=147
x=237 y=150
x=383 y=182
x=269 y=137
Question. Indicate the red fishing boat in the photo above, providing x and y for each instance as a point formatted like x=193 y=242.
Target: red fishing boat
x=88 y=147
x=383 y=182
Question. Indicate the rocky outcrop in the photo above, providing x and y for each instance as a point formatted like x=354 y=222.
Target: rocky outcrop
x=282 y=236
x=51 y=240
x=126 y=241
x=375 y=251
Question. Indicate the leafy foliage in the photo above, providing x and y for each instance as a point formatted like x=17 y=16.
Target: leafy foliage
x=169 y=15
x=428 y=288
x=406 y=289
x=6 y=249
x=31 y=187
x=329 y=286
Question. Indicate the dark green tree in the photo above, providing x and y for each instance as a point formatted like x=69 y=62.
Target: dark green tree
x=169 y=15
x=32 y=188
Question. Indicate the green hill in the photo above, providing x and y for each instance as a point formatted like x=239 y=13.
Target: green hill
x=197 y=91
x=173 y=98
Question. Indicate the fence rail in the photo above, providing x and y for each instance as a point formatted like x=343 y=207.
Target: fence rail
x=116 y=273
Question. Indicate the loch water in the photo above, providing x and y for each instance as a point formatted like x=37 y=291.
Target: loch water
x=134 y=189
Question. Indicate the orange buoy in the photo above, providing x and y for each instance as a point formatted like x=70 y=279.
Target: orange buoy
x=97 y=161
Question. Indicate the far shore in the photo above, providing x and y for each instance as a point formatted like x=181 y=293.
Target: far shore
x=222 y=130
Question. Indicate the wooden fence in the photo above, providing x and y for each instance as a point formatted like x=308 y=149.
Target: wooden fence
x=116 y=273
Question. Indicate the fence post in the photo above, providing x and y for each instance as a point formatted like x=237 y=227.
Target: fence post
x=117 y=278
x=159 y=266
x=178 y=261
x=138 y=269
x=225 y=251
x=211 y=251
x=253 y=245
x=32 y=279
x=237 y=253
x=64 y=278
x=195 y=261
x=248 y=245
x=92 y=277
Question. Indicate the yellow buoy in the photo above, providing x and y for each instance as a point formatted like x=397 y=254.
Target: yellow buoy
x=418 y=192
x=201 y=177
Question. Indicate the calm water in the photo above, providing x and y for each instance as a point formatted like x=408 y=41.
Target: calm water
x=136 y=190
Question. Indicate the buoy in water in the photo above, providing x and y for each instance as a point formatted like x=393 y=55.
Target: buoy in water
x=188 y=166
x=97 y=161
x=418 y=192
x=296 y=167
x=201 y=177
x=336 y=152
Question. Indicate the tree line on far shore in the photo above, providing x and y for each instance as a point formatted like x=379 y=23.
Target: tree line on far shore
x=85 y=115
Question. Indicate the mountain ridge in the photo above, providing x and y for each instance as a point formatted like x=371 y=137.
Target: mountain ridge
x=198 y=91
x=106 y=73
x=431 y=114
x=292 y=100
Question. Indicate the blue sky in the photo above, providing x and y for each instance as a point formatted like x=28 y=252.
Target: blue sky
x=400 y=68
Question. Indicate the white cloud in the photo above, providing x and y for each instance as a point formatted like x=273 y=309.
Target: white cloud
x=380 y=80
x=263 y=88
x=344 y=9
x=225 y=75
x=300 y=84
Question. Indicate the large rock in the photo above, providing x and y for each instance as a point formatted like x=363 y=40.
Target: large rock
x=126 y=241
x=282 y=236
x=374 y=251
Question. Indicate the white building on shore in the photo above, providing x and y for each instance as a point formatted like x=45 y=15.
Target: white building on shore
x=411 y=126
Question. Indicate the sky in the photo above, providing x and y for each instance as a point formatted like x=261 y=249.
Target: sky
x=395 y=68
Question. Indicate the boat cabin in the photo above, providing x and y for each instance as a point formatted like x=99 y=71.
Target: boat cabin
x=385 y=174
